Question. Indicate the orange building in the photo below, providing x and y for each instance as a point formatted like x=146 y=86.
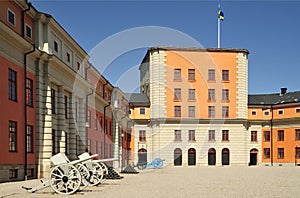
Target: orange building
x=279 y=116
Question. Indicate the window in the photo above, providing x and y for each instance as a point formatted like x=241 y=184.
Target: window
x=177 y=94
x=66 y=107
x=12 y=85
x=297 y=134
x=96 y=122
x=11 y=17
x=66 y=144
x=89 y=146
x=177 y=74
x=280 y=153
x=225 y=135
x=211 y=74
x=266 y=113
x=192 y=135
x=96 y=147
x=225 y=75
x=29 y=92
x=68 y=58
x=225 y=94
x=253 y=136
x=55 y=46
x=29 y=135
x=177 y=111
x=12 y=136
x=211 y=95
x=142 y=136
x=53 y=102
x=298 y=110
x=253 y=113
x=78 y=66
x=142 y=111
x=101 y=124
x=211 y=135
x=30 y=172
x=266 y=153
x=297 y=151
x=13 y=173
x=267 y=136
x=192 y=94
x=191 y=111
x=54 y=146
x=28 y=31
x=89 y=118
x=280 y=112
x=211 y=111
x=225 y=111
x=177 y=135
x=280 y=135
x=191 y=74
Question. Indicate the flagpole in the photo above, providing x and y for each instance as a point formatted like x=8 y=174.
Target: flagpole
x=219 y=26
x=219 y=36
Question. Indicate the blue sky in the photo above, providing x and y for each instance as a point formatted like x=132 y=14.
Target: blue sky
x=268 y=29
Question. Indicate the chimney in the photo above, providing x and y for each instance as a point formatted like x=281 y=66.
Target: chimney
x=283 y=91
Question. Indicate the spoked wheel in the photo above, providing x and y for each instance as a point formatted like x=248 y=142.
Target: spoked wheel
x=105 y=171
x=65 y=179
x=157 y=163
x=85 y=176
x=142 y=165
x=96 y=173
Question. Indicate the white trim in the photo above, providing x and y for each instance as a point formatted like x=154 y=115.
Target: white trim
x=297 y=109
x=25 y=31
x=266 y=111
x=7 y=17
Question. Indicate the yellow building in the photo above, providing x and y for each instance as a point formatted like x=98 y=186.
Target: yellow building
x=198 y=107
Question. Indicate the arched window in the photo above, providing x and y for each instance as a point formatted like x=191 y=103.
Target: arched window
x=142 y=155
x=211 y=157
x=253 y=157
x=191 y=157
x=177 y=157
x=225 y=156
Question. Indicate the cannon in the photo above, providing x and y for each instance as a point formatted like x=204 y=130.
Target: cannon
x=156 y=163
x=66 y=177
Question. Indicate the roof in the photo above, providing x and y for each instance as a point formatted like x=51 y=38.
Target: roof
x=200 y=49
x=274 y=99
x=137 y=98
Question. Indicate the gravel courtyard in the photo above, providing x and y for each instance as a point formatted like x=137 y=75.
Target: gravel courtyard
x=184 y=182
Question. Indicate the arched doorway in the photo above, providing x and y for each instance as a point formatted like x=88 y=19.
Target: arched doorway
x=142 y=155
x=211 y=157
x=177 y=157
x=225 y=156
x=191 y=157
x=253 y=157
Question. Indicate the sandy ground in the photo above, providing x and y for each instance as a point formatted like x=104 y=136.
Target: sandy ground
x=184 y=182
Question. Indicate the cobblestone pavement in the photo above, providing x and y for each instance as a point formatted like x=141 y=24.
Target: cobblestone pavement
x=183 y=182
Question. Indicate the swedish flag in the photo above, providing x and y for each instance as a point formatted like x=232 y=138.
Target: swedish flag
x=221 y=15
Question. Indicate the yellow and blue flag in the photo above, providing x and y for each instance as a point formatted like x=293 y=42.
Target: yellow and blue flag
x=221 y=15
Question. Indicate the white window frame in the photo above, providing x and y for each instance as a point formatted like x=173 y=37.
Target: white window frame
x=9 y=10
x=267 y=111
x=279 y=111
x=297 y=109
x=144 y=110
x=26 y=25
x=253 y=111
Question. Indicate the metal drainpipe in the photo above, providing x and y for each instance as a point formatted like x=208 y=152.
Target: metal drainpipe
x=271 y=134
x=25 y=111
x=23 y=18
x=104 y=126
x=86 y=118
